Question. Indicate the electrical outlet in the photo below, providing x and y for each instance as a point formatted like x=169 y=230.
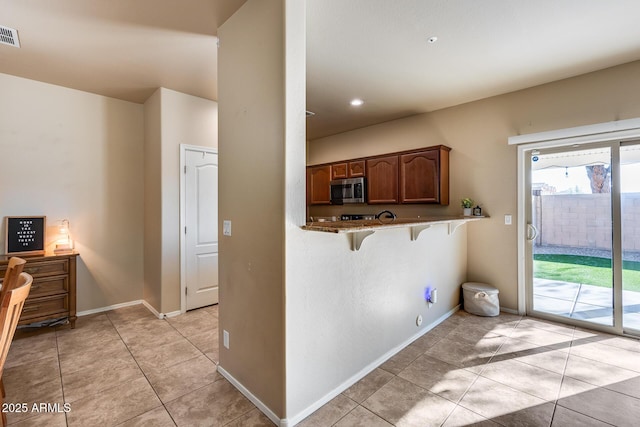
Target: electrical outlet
x=225 y=339
x=507 y=220
x=419 y=320
x=226 y=227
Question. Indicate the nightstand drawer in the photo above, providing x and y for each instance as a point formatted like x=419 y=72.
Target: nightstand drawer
x=47 y=268
x=44 y=286
x=44 y=307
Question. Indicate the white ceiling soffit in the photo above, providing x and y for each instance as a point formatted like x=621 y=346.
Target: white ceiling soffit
x=119 y=48
x=378 y=50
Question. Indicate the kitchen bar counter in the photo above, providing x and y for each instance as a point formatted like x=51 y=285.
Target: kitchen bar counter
x=360 y=229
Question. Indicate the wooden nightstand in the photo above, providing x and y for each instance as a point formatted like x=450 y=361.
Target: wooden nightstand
x=53 y=292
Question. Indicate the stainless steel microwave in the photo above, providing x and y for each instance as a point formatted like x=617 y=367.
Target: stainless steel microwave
x=350 y=190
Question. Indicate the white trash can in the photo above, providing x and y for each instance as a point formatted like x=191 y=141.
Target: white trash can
x=480 y=299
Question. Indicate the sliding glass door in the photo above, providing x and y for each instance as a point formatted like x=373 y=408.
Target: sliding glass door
x=630 y=222
x=572 y=234
x=583 y=235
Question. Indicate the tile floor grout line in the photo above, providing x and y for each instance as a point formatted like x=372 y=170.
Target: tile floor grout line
x=241 y=415
x=564 y=370
x=605 y=363
x=374 y=413
x=192 y=343
x=455 y=406
x=66 y=418
x=350 y=411
x=478 y=376
x=202 y=354
x=143 y=374
x=147 y=378
x=498 y=349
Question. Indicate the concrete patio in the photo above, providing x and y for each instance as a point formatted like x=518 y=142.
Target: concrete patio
x=586 y=302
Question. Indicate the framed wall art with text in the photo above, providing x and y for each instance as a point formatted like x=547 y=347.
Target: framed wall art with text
x=25 y=235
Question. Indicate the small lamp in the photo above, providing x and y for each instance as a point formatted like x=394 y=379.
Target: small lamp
x=64 y=244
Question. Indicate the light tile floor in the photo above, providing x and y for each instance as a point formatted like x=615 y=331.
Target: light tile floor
x=127 y=368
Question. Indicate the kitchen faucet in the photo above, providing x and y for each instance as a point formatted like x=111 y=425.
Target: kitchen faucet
x=387 y=214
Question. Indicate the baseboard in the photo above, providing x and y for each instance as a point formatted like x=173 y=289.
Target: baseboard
x=108 y=308
x=129 y=304
x=508 y=310
x=153 y=310
x=366 y=370
x=261 y=406
x=173 y=313
x=160 y=315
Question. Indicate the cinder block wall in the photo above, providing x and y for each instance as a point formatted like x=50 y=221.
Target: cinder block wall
x=584 y=220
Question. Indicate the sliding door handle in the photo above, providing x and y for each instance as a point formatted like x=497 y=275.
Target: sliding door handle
x=532 y=232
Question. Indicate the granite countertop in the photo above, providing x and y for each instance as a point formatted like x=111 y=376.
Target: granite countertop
x=375 y=224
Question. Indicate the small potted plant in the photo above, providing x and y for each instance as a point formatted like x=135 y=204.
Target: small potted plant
x=467 y=204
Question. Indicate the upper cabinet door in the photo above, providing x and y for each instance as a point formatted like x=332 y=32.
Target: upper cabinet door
x=339 y=170
x=382 y=180
x=424 y=176
x=356 y=169
x=318 y=185
x=353 y=169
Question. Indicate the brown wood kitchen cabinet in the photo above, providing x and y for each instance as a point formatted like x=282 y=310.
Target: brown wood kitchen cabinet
x=53 y=292
x=413 y=176
x=318 y=187
x=350 y=169
x=382 y=180
x=424 y=176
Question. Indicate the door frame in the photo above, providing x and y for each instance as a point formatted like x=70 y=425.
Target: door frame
x=183 y=216
x=587 y=137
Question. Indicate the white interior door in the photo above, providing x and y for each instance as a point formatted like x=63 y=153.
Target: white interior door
x=201 y=228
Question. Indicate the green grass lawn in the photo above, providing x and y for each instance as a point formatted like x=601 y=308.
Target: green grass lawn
x=584 y=269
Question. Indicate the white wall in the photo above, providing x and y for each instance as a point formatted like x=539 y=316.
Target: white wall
x=172 y=118
x=346 y=309
x=152 y=292
x=71 y=154
x=252 y=177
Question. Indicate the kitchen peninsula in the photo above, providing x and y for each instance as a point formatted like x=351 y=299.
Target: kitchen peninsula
x=360 y=229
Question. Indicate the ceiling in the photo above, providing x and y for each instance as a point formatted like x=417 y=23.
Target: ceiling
x=124 y=49
x=377 y=50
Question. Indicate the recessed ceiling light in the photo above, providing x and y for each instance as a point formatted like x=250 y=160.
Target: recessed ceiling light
x=356 y=102
x=433 y=39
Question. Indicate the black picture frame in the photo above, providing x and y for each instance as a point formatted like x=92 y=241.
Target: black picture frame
x=25 y=235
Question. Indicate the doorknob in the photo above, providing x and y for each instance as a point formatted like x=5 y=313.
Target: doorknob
x=532 y=232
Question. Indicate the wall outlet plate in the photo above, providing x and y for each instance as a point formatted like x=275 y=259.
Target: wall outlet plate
x=226 y=227
x=225 y=339
x=419 y=320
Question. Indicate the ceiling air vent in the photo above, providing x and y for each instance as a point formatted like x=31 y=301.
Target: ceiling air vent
x=9 y=36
